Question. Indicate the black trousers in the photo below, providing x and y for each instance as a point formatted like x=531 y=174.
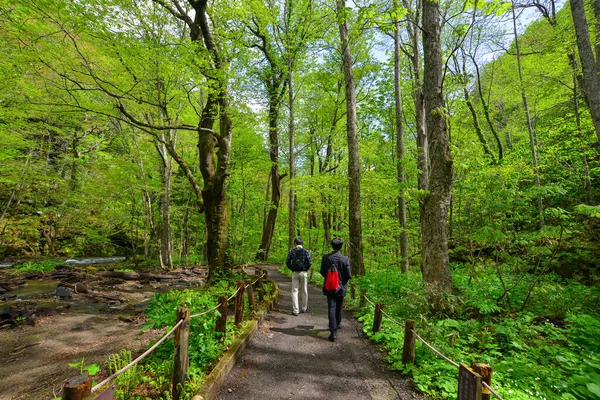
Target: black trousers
x=335 y=304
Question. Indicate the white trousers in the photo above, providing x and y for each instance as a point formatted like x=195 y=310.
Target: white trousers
x=299 y=282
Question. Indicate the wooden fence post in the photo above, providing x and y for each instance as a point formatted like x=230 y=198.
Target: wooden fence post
x=182 y=336
x=221 y=324
x=251 y=300
x=77 y=387
x=258 y=286
x=378 y=318
x=239 y=303
x=486 y=375
x=363 y=301
x=408 y=350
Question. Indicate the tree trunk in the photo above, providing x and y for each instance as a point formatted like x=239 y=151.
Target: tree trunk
x=469 y=103
x=415 y=60
x=214 y=149
x=292 y=200
x=355 y=223
x=436 y=270
x=536 y=173
x=400 y=149
x=587 y=184
x=590 y=81
x=214 y=193
x=267 y=235
x=166 y=243
x=486 y=111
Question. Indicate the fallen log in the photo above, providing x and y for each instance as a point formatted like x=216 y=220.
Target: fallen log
x=133 y=276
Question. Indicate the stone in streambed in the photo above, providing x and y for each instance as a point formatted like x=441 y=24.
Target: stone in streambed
x=64 y=292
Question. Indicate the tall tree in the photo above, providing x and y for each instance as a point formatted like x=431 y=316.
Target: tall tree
x=274 y=77
x=298 y=20
x=590 y=81
x=400 y=145
x=214 y=146
x=436 y=268
x=532 y=148
x=355 y=221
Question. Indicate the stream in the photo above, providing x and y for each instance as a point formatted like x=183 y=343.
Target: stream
x=73 y=289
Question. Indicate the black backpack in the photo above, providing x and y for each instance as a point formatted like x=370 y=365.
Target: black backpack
x=298 y=260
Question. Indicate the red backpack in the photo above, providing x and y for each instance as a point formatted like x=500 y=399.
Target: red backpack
x=332 y=281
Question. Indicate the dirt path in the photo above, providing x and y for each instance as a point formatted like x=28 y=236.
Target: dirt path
x=291 y=358
x=34 y=358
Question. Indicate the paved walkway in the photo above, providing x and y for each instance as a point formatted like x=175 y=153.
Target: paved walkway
x=291 y=358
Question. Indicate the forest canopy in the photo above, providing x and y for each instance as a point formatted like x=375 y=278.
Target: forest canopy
x=454 y=145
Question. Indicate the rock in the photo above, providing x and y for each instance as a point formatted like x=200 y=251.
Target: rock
x=64 y=292
x=81 y=288
x=125 y=318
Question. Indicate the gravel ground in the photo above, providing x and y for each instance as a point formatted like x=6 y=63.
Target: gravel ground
x=291 y=358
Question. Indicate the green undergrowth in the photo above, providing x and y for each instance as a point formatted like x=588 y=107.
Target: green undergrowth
x=151 y=379
x=541 y=340
x=35 y=267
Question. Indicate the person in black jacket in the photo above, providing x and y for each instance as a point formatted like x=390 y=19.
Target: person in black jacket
x=335 y=299
x=299 y=261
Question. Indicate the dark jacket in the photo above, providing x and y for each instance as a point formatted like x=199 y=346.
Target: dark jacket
x=303 y=259
x=343 y=267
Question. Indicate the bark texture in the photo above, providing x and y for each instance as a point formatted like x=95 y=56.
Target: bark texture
x=436 y=270
x=214 y=148
x=590 y=84
x=354 y=212
x=400 y=151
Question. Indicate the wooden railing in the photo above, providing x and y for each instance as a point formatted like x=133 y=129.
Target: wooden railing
x=80 y=387
x=474 y=382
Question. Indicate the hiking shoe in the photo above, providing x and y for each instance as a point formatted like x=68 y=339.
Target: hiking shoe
x=294 y=314
x=305 y=310
x=332 y=336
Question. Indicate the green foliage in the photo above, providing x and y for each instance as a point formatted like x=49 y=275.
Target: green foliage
x=36 y=266
x=549 y=351
x=91 y=369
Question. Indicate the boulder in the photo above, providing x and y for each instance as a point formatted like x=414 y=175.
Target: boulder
x=64 y=292
x=81 y=288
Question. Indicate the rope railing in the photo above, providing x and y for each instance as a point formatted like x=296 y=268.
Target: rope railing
x=437 y=352
x=369 y=301
x=488 y=387
x=391 y=318
x=434 y=349
x=166 y=335
x=229 y=298
x=137 y=360
x=205 y=312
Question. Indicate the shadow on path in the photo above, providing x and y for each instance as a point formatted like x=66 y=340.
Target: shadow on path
x=291 y=358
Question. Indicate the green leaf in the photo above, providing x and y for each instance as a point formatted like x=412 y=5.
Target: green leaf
x=92 y=369
x=594 y=388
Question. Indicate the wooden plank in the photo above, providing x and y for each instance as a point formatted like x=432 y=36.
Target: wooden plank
x=469 y=384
